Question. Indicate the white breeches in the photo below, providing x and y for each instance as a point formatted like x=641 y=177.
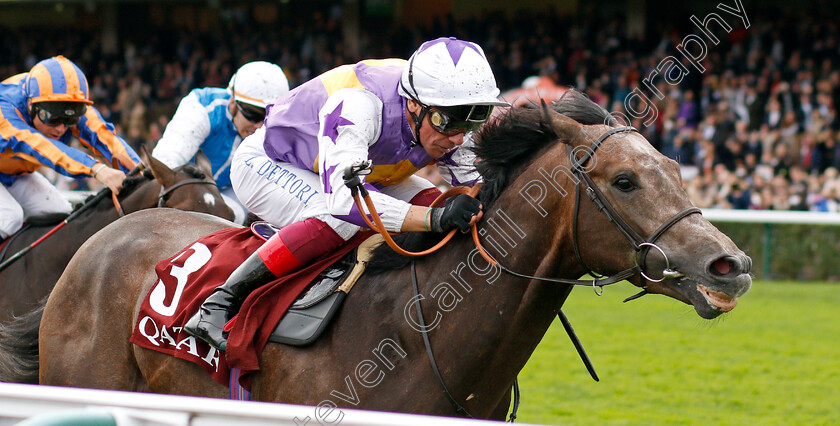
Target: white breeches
x=29 y=196
x=282 y=193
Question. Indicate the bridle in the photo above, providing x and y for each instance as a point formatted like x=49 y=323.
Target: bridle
x=164 y=191
x=104 y=192
x=641 y=245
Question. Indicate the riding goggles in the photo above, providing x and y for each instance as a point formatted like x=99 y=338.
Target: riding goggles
x=56 y=113
x=252 y=114
x=459 y=119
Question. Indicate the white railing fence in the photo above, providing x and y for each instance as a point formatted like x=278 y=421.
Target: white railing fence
x=772 y=217
x=48 y=405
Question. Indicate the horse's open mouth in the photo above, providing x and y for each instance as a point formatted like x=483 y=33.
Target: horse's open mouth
x=718 y=299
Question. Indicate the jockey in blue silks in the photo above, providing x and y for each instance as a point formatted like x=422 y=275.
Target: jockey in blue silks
x=216 y=120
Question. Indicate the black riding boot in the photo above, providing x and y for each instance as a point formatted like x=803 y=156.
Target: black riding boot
x=225 y=301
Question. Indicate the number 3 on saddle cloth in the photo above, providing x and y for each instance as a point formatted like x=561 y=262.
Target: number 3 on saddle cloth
x=187 y=278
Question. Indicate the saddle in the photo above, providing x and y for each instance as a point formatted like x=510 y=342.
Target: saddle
x=313 y=310
x=186 y=279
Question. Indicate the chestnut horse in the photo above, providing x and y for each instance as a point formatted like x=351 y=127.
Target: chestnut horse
x=482 y=322
x=30 y=278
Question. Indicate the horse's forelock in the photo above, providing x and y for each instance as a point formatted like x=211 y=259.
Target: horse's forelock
x=193 y=170
x=579 y=107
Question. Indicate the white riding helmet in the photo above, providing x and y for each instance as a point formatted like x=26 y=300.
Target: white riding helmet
x=258 y=83
x=449 y=72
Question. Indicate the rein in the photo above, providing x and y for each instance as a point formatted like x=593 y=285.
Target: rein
x=351 y=179
x=104 y=192
x=425 y=332
x=123 y=158
x=640 y=245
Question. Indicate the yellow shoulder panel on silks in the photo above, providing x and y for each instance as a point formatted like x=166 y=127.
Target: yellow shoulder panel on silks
x=344 y=77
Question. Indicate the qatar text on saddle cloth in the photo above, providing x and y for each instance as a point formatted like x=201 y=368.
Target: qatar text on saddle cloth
x=187 y=278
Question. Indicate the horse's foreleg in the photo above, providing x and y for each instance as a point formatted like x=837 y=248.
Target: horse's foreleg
x=501 y=410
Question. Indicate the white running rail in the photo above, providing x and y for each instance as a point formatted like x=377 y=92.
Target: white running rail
x=29 y=402
x=772 y=217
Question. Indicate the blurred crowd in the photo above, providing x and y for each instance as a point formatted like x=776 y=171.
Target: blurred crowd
x=757 y=130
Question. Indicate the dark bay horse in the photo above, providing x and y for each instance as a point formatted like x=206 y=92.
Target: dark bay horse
x=29 y=279
x=483 y=324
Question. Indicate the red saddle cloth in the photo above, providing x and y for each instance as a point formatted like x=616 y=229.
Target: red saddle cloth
x=187 y=278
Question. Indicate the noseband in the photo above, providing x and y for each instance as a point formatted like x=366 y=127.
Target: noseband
x=167 y=191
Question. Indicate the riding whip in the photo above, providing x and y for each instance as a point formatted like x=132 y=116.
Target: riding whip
x=104 y=192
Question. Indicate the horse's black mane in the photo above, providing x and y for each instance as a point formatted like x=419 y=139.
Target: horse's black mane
x=503 y=148
x=131 y=184
x=510 y=144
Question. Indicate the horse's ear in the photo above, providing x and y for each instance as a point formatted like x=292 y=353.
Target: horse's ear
x=203 y=163
x=566 y=128
x=144 y=156
x=162 y=172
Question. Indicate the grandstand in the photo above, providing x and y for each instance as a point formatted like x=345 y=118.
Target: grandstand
x=746 y=101
x=753 y=122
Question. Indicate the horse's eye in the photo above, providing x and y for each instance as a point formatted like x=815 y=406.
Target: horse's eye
x=625 y=185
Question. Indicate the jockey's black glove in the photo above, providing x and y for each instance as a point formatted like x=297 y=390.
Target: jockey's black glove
x=456 y=213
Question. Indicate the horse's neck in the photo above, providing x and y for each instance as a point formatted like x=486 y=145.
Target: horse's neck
x=143 y=197
x=500 y=318
x=105 y=212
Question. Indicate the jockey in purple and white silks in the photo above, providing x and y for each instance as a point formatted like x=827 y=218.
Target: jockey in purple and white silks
x=401 y=115
x=216 y=120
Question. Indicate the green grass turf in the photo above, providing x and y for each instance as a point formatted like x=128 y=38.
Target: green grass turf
x=775 y=359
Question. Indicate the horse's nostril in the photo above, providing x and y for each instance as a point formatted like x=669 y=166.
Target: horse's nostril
x=722 y=266
x=727 y=266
